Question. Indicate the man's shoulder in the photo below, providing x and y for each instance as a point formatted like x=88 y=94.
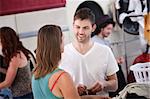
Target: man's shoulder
x=97 y=39
x=102 y=46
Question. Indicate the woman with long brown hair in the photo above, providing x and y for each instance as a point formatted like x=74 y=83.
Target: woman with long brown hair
x=16 y=58
x=48 y=81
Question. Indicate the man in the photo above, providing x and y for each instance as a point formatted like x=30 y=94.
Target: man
x=105 y=25
x=91 y=65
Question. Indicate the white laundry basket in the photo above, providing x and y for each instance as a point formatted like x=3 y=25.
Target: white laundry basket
x=141 y=72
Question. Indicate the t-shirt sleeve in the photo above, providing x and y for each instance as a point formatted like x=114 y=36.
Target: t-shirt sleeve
x=112 y=66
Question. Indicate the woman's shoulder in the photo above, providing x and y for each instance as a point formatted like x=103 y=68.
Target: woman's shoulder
x=59 y=72
x=60 y=75
x=64 y=77
x=19 y=60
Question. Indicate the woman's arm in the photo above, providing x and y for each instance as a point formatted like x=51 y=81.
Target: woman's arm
x=94 y=97
x=68 y=90
x=15 y=62
x=10 y=76
x=67 y=87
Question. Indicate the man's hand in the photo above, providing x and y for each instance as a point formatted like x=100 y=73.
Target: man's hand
x=120 y=60
x=97 y=87
x=82 y=89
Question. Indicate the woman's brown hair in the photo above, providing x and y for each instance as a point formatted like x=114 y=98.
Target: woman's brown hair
x=11 y=45
x=48 y=52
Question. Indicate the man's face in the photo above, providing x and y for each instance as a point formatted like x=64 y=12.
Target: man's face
x=107 y=30
x=83 y=30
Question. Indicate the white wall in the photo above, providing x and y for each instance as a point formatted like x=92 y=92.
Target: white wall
x=27 y=24
x=8 y=21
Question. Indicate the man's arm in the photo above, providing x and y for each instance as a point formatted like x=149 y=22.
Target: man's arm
x=111 y=84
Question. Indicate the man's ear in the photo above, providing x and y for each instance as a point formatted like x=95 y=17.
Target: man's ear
x=94 y=27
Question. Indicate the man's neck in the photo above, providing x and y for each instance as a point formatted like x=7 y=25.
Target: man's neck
x=83 y=48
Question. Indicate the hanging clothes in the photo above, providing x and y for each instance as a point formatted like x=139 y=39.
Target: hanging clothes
x=136 y=90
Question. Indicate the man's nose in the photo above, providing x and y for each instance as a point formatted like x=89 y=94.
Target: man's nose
x=81 y=31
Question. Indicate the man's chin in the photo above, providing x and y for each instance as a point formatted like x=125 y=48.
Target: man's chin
x=80 y=39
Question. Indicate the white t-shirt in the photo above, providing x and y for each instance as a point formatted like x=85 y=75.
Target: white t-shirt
x=95 y=65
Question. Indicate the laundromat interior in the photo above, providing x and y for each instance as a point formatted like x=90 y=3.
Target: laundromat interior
x=129 y=39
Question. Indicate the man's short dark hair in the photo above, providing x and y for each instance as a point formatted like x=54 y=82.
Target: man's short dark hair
x=85 y=13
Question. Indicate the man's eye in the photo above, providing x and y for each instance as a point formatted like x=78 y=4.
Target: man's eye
x=85 y=28
x=148 y=30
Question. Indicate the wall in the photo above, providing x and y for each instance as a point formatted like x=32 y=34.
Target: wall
x=27 y=24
